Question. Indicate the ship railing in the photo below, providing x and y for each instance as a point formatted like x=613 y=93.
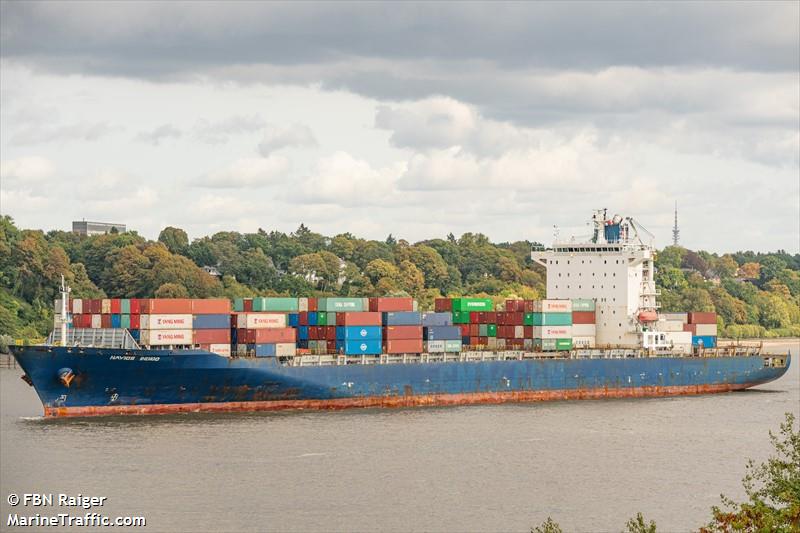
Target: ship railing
x=94 y=338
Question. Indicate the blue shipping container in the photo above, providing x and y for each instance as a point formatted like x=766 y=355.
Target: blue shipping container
x=135 y=334
x=302 y=333
x=262 y=350
x=303 y=345
x=465 y=341
x=312 y=318
x=402 y=318
x=116 y=321
x=211 y=321
x=358 y=332
x=442 y=333
x=706 y=341
x=293 y=320
x=359 y=347
x=437 y=319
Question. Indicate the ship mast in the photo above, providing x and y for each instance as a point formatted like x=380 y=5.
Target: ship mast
x=65 y=290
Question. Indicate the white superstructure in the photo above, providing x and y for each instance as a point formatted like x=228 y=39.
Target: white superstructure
x=614 y=267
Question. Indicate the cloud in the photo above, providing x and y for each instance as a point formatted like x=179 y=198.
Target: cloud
x=25 y=171
x=294 y=136
x=81 y=131
x=220 y=131
x=155 y=136
x=247 y=172
x=343 y=180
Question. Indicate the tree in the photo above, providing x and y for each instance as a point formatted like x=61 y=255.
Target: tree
x=671 y=256
x=412 y=280
x=725 y=266
x=671 y=278
x=171 y=290
x=175 y=239
x=694 y=261
x=750 y=270
x=638 y=525
x=772 y=488
x=770 y=268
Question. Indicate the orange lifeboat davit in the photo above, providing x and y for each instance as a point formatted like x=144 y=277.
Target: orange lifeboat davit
x=648 y=316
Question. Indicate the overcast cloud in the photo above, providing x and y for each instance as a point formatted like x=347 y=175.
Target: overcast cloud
x=405 y=118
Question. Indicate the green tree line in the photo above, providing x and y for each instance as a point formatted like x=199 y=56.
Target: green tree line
x=305 y=263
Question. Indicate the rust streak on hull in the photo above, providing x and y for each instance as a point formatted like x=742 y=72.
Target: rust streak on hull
x=394 y=401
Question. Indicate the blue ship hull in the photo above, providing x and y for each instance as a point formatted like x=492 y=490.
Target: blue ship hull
x=98 y=381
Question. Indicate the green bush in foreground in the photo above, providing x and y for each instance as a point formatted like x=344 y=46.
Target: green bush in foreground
x=772 y=488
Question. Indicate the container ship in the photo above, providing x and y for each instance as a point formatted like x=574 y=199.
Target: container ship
x=599 y=334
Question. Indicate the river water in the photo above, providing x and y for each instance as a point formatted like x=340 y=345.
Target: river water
x=588 y=464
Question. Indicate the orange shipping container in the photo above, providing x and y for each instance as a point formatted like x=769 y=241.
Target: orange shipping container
x=259 y=336
x=583 y=317
x=358 y=318
x=702 y=318
x=209 y=306
x=212 y=336
x=168 y=306
x=402 y=346
x=402 y=332
x=391 y=304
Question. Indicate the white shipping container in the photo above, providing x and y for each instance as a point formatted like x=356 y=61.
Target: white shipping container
x=682 y=348
x=285 y=349
x=220 y=349
x=706 y=330
x=491 y=343
x=105 y=306
x=552 y=332
x=165 y=337
x=260 y=320
x=677 y=317
x=669 y=325
x=435 y=346
x=165 y=322
x=97 y=322
x=519 y=332
x=552 y=306
x=302 y=304
x=584 y=330
x=584 y=342
x=77 y=306
x=678 y=337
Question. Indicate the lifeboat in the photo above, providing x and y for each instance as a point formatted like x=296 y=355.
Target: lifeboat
x=648 y=316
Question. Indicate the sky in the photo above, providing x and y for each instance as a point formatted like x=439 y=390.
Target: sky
x=514 y=120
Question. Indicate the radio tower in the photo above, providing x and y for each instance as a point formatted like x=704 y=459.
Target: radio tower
x=675 y=232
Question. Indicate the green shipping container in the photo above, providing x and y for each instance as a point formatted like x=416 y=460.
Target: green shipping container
x=583 y=304
x=483 y=330
x=322 y=318
x=238 y=304
x=125 y=307
x=491 y=330
x=552 y=319
x=563 y=344
x=125 y=320
x=460 y=317
x=341 y=304
x=330 y=318
x=285 y=305
x=452 y=346
x=472 y=304
x=527 y=320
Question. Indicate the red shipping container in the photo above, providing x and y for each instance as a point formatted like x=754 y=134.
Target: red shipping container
x=105 y=321
x=212 y=336
x=501 y=318
x=211 y=306
x=402 y=346
x=583 y=317
x=483 y=341
x=391 y=304
x=144 y=304
x=273 y=335
x=302 y=318
x=464 y=329
x=358 y=318
x=402 y=332
x=491 y=317
x=517 y=343
x=474 y=317
x=512 y=306
x=77 y=320
x=690 y=327
x=135 y=306
x=441 y=305
x=527 y=332
x=116 y=306
x=248 y=305
x=330 y=333
x=312 y=304
x=702 y=318
x=474 y=330
x=527 y=306
x=313 y=333
x=135 y=321
x=169 y=306
x=331 y=346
